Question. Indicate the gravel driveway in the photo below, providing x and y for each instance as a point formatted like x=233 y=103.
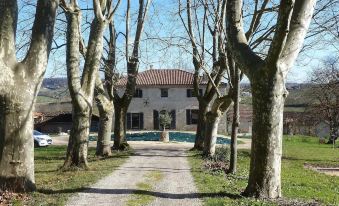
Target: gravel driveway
x=176 y=187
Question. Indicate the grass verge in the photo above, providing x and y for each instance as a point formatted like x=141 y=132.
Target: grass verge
x=299 y=184
x=54 y=187
x=142 y=198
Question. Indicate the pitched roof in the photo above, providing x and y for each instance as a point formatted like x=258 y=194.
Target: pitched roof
x=161 y=77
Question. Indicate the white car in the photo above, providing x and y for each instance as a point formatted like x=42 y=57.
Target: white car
x=41 y=140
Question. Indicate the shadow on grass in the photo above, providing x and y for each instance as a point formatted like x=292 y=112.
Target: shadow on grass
x=143 y=192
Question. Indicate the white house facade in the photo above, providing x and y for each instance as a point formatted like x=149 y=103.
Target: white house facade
x=161 y=90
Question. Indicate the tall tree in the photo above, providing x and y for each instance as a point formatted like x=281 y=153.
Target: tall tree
x=19 y=85
x=325 y=95
x=121 y=103
x=81 y=88
x=267 y=77
x=104 y=96
x=236 y=78
x=202 y=31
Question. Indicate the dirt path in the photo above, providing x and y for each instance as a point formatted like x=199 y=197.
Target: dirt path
x=157 y=172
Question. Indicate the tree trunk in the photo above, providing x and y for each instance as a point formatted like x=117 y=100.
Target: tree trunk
x=266 y=150
x=76 y=156
x=120 y=142
x=105 y=130
x=235 y=124
x=200 y=135
x=16 y=141
x=82 y=92
x=211 y=132
x=19 y=85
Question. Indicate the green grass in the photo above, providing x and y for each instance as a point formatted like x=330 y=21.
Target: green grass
x=54 y=187
x=150 y=180
x=46 y=99
x=298 y=183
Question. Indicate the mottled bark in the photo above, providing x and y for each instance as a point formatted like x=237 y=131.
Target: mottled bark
x=200 y=134
x=16 y=142
x=76 y=156
x=105 y=125
x=120 y=142
x=19 y=85
x=219 y=107
x=268 y=98
x=211 y=129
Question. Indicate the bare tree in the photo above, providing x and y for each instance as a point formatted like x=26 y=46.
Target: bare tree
x=121 y=103
x=267 y=77
x=81 y=88
x=19 y=85
x=104 y=96
x=201 y=31
x=325 y=95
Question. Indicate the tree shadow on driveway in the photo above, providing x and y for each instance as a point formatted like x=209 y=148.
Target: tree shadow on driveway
x=143 y=192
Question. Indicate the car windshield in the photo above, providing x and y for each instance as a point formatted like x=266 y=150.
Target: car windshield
x=37 y=133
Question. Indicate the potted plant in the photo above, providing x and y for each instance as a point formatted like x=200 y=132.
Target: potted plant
x=165 y=120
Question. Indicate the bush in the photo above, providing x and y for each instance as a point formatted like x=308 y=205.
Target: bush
x=165 y=119
x=220 y=161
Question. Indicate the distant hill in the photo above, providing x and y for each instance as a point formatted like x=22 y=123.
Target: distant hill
x=54 y=83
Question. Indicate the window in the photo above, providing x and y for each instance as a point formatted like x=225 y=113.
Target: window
x=135 y=120
x=164 y=92
x=138 y=93
x=190 y=92
x=192 y=116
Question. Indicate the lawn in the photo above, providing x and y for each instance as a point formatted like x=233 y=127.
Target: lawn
x=54 y=187
x=299 y=184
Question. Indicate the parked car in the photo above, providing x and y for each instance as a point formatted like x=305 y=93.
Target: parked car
x=41 y=140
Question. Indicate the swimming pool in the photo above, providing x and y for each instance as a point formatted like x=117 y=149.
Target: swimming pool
x=173 y=136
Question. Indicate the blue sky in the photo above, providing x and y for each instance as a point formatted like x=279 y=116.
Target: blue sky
x=163 y=32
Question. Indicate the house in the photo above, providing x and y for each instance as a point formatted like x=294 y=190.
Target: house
x=161 y=90
x=305 y=123
x=245 y=119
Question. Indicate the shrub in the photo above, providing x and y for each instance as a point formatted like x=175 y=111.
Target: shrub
x=165 y=119
x=220 y=161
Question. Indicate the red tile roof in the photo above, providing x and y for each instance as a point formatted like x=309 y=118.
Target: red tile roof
x=162 y=77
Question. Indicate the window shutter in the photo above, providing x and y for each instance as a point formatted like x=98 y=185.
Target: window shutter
x=189 y=92
x=173 y=123
x=140 y=95
x=155 y=119
x=141 y=120
x=129 y=119
x=188 y=116
x=200 y=92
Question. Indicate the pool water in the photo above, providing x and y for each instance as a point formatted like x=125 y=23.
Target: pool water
x=173 y=136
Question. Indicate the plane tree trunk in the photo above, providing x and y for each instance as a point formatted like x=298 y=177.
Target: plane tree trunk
x=219 y=107
x=82 y=92
x=120 y=142
x=267 y=77
x=19 y=85
x=104 y=97
x=200 y=134
x=268 y=105
x=105 y=128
